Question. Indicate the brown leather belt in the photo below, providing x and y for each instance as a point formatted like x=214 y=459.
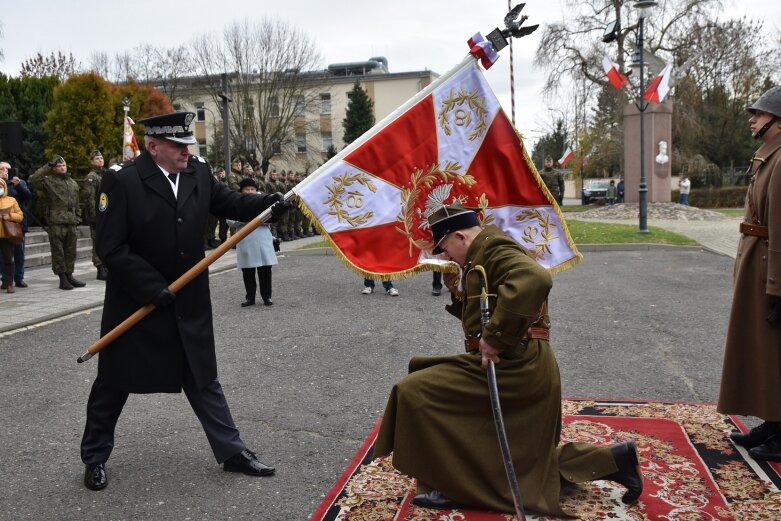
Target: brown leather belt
x=540 y=333
x=756 y=230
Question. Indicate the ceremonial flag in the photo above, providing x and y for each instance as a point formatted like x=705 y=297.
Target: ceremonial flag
x=450 y=144
x=617 y=79
x=130 y=148
x=659 y=88
x=482 y=48
x=566 y=157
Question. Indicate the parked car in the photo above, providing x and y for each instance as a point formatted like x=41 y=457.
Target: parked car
x=594 y=190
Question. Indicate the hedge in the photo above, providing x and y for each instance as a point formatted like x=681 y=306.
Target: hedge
x=729 y=197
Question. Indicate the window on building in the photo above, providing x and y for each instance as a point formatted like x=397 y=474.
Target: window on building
x=327 y=141
x=276 y=147
x=299 y=110
x=325 y=103
x=202 y=150
x=274 y=107
x=200 y=112
x=301 y=143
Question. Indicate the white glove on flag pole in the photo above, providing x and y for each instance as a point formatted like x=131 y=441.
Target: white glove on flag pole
x=451 y=143
x=659 y=88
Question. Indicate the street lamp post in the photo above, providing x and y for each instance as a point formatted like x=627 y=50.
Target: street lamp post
x=643 y=7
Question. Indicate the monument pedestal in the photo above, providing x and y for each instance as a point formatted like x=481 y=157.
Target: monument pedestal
x=658 y=129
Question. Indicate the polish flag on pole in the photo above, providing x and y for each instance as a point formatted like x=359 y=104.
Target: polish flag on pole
x=130 y=148
x=567 y=157
x=617 y=79
x=483 y=49
x=450 y=144
x=659 y=88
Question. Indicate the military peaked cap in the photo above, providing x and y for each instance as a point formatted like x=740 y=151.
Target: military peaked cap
x=450 y=219
x=173 y=127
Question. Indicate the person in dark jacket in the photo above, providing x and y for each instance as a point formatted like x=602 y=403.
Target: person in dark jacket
x=151 y=215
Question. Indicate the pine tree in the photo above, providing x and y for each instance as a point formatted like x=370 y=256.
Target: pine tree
x=360 y=114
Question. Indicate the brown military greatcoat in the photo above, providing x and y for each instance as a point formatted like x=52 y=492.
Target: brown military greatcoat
x=751 y=376
x=439 y=423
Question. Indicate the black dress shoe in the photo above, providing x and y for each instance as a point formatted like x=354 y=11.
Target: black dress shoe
x=434 y=499
x=95 y=476
x=768 y=451
x=248 y=302
x=246 y=462
x=267 y=302
x=756 y=436
x=21 y=283
x=628 y=473
x=436 y=292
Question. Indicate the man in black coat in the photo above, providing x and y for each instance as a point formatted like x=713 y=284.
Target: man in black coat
x=151 y=216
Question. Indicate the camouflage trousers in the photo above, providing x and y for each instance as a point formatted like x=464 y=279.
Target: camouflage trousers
x=95 y=259
x=62 y=240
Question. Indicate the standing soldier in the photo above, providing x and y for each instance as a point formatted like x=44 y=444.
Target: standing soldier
x=63 y=215
x=553 y=180
x=89 y=199
x=306 y=223
x=234 y=177
x=271 y=184
x=751 y=375
x=296 y=217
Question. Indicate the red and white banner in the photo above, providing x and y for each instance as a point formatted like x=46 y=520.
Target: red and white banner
x=130 y=148
x=568 y=156
x=483 y=49
x=617 y=79
x=452 y=143
x=659 y=88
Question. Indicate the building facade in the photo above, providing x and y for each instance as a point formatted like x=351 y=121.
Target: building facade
x=318 y=112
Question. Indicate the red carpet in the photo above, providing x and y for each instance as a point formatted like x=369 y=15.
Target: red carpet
x=691 y=470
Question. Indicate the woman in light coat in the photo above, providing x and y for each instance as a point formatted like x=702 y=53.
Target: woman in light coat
x=9 y=210
x=255 y=253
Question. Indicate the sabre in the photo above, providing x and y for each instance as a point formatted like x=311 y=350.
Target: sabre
x=493 y=391
x=182 y=281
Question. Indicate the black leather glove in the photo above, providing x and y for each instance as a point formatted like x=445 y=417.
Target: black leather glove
x=280 y=207
x=774 y=310
x=164 y=298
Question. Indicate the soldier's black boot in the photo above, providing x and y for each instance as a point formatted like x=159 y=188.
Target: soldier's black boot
x=102 y=273
x=64 y=283
x=628 y=473
x=74 y=282
x=756 y=436
x=249 y=302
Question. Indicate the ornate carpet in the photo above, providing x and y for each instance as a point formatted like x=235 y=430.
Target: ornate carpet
x=691 y=471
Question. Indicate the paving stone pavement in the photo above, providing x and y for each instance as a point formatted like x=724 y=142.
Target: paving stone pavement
x=43 y=301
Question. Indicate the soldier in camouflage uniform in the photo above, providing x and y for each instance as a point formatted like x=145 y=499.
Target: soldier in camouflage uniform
x=553 y=180
x=63 y=216
x=287 y=220
x=90 y=189
x=306 y=224
x=296 y=218
x=269 y=186
x=235 y=176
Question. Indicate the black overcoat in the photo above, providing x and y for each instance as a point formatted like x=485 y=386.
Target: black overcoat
x=147 y=238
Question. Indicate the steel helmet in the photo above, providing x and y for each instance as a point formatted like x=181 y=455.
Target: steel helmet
x=769 y=102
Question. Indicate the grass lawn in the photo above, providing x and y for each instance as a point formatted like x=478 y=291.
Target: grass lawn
x=604 y=233
x=733 y=212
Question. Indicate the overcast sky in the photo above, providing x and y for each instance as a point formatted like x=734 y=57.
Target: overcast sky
x=411 y=34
